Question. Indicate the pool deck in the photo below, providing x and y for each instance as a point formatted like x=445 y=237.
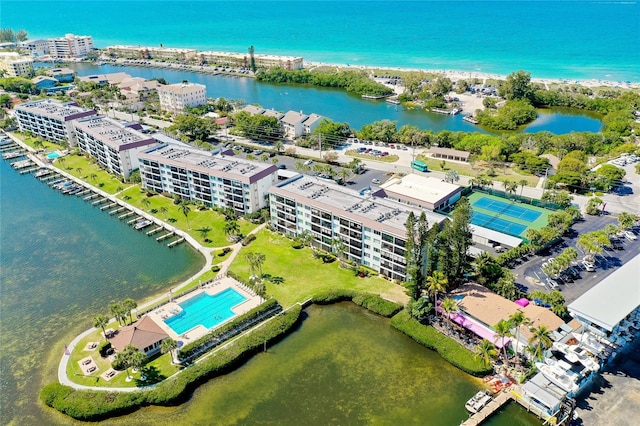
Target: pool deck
x=173 y=308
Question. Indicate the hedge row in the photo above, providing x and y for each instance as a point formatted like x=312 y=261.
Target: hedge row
x=228 y=330
x=97 y=405
x=448 y=349
x=372 y=302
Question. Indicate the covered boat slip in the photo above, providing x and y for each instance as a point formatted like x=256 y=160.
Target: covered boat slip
x=609 y=302
x=543 y=392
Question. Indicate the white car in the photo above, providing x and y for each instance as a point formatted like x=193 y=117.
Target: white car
x=630 y=236
x=308 y=162
x=588 y=266
x=376 y=181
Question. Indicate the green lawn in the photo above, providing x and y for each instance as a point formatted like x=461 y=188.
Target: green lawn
x=466 y=169
x=305 y=276
x=197 y=219
x=80 y=167
x=159 y=367
x=32 y=142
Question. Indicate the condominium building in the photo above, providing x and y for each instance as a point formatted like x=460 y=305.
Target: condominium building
x=51 y=119
x=70 y=46
x=176 y=97
x=15 y=65
x=244 y=60
x=141 y=52
x=296 y=124
x=372 y=229
x=214 y=179
x=63 y=75
x=36 y=47
x=114 y=145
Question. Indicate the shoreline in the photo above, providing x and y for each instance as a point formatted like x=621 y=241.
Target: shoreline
x=456 y=75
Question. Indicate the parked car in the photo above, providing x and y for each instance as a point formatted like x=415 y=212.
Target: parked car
x=617 y=244
x=258 y=152
x=376 y=181
x=588 y=266
x=282 y=166
x=630 y=236
x=308 y=162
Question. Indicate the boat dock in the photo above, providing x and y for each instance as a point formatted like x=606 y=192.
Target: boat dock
x=118 y=210
x=126 y=215
x=373 y=96
x=164 y=236
x=393 y=100
x=155 y=230
x=22 y=164
x=489 y=409
x=470 y=119
x=11 y=155
x=446 y=111
x=176 y=242
x=108 y=206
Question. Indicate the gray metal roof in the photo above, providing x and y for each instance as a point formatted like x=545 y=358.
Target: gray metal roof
x=612 y=299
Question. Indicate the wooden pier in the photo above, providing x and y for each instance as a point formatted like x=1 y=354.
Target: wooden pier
x=108 y=206
x=175 y=243
x=91 y=196
x=100 y=201
x=164 y=237
x=489 y=409
x=470 y=119
x=155 y=230
x=125 y=215
x=135 y=219
x=118 y=210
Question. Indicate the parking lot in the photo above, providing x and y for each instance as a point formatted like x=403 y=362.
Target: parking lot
x=529 y=273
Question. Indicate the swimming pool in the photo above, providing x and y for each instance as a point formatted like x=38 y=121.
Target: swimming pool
x=205 y=310
x=53 y=155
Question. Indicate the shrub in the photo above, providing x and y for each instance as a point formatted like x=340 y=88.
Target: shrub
x=97 y=405
x=246 y=240
x=377 y=304
x=226 y=250
x=215 y=268
x=448 y=349
x=297 y=244
x=332 y=296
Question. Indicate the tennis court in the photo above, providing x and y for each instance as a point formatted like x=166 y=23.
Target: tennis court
x=506 y=216
x=497 y=224
x=507 y=208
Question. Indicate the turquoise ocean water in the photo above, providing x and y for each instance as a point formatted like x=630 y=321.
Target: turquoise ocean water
x=571 y=39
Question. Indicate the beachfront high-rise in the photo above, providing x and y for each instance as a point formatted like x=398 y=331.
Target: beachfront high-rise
x=176 y=97
x=114 y=145
x=51 y=119
x=216 y=180
x=372 y=229
x=244 y=60
x=70 y=46
x=162 y=53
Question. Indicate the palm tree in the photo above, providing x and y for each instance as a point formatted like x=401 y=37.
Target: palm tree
x=255 y=261
x=449 y=306
x=486 y=352
x=344 y=174
x=503 y=331
x=436 y=283
x=124 y=358
x=338 y=247
x=146 y=203
x=61 y=161
x=540 y=340
x=307 y=238
x=164 y=211
x=94 y=176
x=129 y=305
x=204 y=232
x=231 y=228
x=169 y=345
x=451 y=176
x=522 y=183
x=137 y=360
x=517 y=319
x=185 y=209
x=79 y=170
x=278 y=145
x=101 y=321
x=118 y=312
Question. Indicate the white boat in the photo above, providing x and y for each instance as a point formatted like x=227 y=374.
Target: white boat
x=142 y=223
x=584 y=357
x=478 y=401
x=564 y=348
x=590 y=342
x=562 y=368
x=555 y=376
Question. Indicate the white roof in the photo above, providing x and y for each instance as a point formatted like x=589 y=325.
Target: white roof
x=499 y=237
x=428 y=189
x=612 y=299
